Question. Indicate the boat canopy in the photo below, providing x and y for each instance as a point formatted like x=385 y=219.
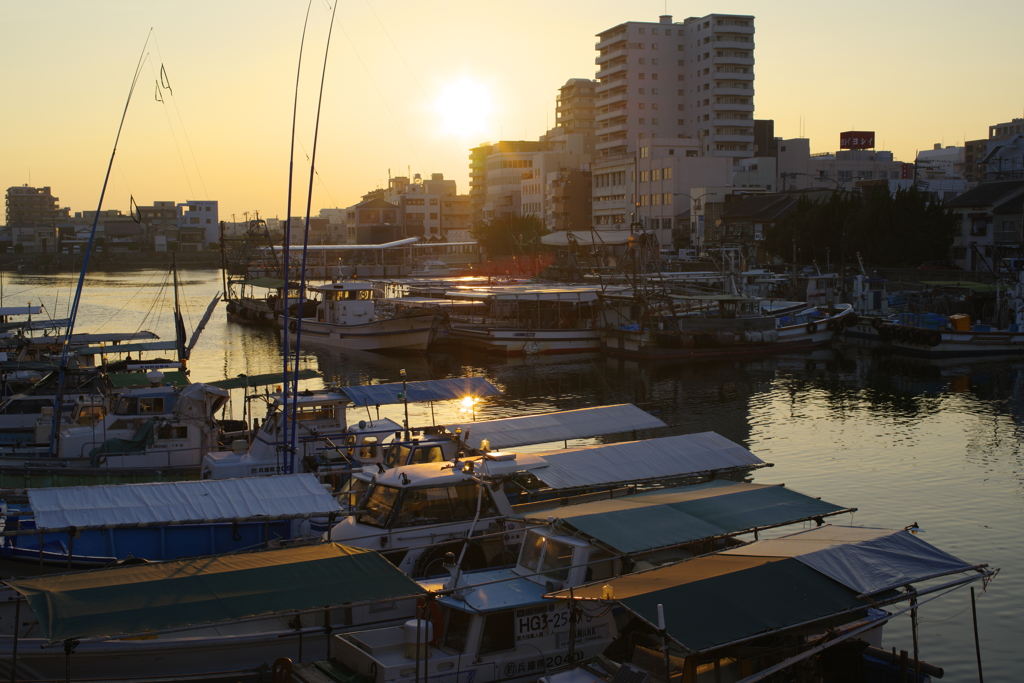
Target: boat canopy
x=357 y=247
x=264 y=282
x=529 y=293
x=179 y=502
x=20 y=310
x=416 y=392
x=737 y=596
x=560 y=238
x=260 y=380
x=567 y=424
x=169 y=345
x=865 y=560
x=661 y=458
x=149 y=598
x=646 y=521
x=126 y=380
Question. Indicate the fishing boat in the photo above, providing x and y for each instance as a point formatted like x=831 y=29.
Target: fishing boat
x=95 y=526
x=763 y=608
x=518 y=320
x=348 y=318
x=259 y=300
x=409 y=510
x=702 y=326
x=217 y=618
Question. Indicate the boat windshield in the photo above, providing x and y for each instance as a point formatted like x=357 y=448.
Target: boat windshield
x=456 y=628
x=546 y=556
x=379 y=504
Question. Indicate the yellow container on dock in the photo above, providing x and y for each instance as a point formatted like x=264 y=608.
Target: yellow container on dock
x=960 y=322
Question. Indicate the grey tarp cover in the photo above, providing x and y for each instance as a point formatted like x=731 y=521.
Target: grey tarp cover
x=81 y=506
x=645 y=521
x=865 y=560
x=260 y=380
x=415 y=392
x=567 y=424
x=665 y=457
x=205 y=590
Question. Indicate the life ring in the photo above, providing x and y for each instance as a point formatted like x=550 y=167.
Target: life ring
x=934 y=338
x=431 y=611
x=812 y=327
x=293 y=327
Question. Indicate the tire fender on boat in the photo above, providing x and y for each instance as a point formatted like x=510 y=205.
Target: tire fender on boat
x=812 y=327
x=934 y=338
x=833 y=325
x=293 y=327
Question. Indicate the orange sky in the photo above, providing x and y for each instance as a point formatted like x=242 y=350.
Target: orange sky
x=417 y=84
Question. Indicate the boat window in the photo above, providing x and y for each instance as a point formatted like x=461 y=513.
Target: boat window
x=600 y=566
x=456 y=628
x=557 y=560
x=151 y=405
x=397 y=455
x=533 y=547
x=369 y=448
x=26 y=407
x=498 y=633
x=379 y=505
x=425 y=454
x=126 y=405
x=167 y=431
x=464 y=502
x=424 y=506
x=315 y=413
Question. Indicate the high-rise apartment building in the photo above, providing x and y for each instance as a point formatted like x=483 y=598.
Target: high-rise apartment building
x=661 y=80
x=29 y=206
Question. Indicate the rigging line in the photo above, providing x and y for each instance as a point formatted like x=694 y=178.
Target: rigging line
x=285 y=354
x=319 y=177
x=305 y=237
x=65 y=352
x=440 y=117
x=170 y=126
x=181 y=121
x=103 y=324
x=383 y=101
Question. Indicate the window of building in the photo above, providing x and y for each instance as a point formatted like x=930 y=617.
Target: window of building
x=654 y=62
x=641 y=92
x=654 y=91
x=645 y=199
x=641 y=60
x=680 y=77
x=654 y=46
x=642 y=105
x=643 y=121
x=680 y=47
x=642 y=136
x=654 y=77
x=667 y=172
x=654 y=105
x=433 y=216
x=691 y=152
x=642 y=76
x=667 y=200
x=645 y=152
x=656 y=174
x=656 y=200
x=642 y=31
x=643 y=176
x=654 y=122
x=433 y=202
x=654 y=31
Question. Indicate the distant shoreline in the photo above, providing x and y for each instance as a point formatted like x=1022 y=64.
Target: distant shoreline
x=120 y=261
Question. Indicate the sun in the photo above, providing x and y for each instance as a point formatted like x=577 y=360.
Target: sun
x=464 y=107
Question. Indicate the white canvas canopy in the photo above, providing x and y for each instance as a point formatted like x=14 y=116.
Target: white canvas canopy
x=180 y=501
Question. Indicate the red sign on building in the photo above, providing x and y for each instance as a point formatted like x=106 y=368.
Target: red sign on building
x=857 y=139
x=907 y=172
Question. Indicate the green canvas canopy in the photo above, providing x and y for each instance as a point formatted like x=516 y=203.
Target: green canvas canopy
x=265 y=282
x=125 y=380
x=171 y=595
x=260 y=380
x=643 y=522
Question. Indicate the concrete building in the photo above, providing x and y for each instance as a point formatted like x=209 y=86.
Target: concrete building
x=491 y=181
x=798 y=169
x=991 y=223
x=1002 y=131
x=664 y=80
x=974 y=160
x=27 y=206
x=203 y=214
x=1004 y=158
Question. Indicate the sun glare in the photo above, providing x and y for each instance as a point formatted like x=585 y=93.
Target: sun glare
x=464 y=107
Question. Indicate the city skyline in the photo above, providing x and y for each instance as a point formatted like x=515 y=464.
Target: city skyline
x=412 y=90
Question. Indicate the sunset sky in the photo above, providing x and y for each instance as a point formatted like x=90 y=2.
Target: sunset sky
x=414 y=85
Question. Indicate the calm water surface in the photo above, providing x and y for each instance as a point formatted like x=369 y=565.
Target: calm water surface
x=901 y=442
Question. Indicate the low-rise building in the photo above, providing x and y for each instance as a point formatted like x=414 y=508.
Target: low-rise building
x=990 y=223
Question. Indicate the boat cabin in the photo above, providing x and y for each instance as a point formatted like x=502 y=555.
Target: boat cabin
x=346 y=303
x=496 y=624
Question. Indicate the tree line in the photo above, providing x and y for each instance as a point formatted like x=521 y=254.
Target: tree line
x=888 y=230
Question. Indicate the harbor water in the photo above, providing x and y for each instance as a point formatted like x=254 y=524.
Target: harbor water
x=902 y=442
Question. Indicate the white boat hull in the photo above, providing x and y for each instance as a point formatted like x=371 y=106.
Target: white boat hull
x=519 y=342
x=412 y=333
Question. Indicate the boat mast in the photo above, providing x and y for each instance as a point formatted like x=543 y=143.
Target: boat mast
x=85 y=261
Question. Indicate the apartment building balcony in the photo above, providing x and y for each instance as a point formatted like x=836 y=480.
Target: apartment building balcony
x=607 y=43
x=733 y=76
x=736 y=92
x=733 y=28
x=613 y=69
x=732 y=153
x=726 y=44
x=608 y=55
x=605 y=117
x=612 y=146
x=733 y=61
x=725 y=106
x=613 y=128
x=747 y=139
x=613 y=98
